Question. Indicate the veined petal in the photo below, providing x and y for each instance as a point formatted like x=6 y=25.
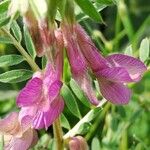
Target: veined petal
x=134 y=66
x=30 y=93
x=116 y=93
x=84 y=81
x=54 y=89
x=89 y=50
x=57 y=107
x=114 y=74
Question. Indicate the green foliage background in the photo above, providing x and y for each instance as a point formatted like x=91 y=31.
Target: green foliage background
x=114 y=127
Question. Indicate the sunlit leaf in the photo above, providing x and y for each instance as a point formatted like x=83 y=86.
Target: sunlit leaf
x=95 y=144
x=29 y=43
x=129 y=51
x=70 y=101
x=16 y=31
x=64 y=122
x=10 y=60
x=144 y=49
x=79 y=93
x=5 y=40
x=15 y=76
x=89 y=9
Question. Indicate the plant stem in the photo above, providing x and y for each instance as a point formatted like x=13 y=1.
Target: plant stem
x=58 y=135
x=75 y=129
x=30 y=61
x=96 y=123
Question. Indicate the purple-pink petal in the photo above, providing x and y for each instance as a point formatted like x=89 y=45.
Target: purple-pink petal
x=30 y=93
x=54 y=89
x=134 y=66
x=114 y=92
x=115 y=74
x=84 y=81
x=57 y=107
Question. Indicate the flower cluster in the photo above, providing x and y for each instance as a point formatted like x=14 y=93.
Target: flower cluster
x=40 y=101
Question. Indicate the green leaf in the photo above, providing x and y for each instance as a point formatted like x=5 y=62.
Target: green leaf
x=4 y=95
x=16 y=31
x=44 y=62
x=29 y=43
x=79 y=93
x=106 y=2
x=64 y=122
x=5 y=40
x=84 y=128
x=144 y=49
x=88 y=8
x=95 y=144
x=70 y=101
x=4 y=21
x=10 y=60
x=15 y=76
x=129 y=51
x=4 y=6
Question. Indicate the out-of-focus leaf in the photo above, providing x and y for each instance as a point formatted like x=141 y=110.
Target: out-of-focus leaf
x=4 y=21
x=10 y=60
x=29 y=43
x=106 y=2
x=16 y=31
x=4 y=6
x=88 y=8
x=64 y=122
x=70 y=101
x=15 y=76
x=7 y=95
x=129 y=51
x=5 y=40
x=95 y=145
x=84 y=128
x=79 y=93
x=44 y=61
x=144 y=49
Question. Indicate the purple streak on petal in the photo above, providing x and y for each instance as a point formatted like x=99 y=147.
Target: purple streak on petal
x=89 y=50
x=134 y=66
x=76 y=59
x=115 y=74
x=54 y=89
x=38 y=121
x=117 y=93
x=57 y=107
x=30 y=93
x=84 y=81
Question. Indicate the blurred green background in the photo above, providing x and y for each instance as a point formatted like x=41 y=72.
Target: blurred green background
x=116 y=127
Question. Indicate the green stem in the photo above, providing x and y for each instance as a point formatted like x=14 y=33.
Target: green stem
x=75 y=129
x=96 y=123
x=58 y=135
x=30 y=61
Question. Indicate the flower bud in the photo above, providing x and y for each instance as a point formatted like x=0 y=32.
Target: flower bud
x=78 y=143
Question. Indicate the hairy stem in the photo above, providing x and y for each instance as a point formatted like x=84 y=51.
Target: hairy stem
x=30 y=61
x=58 y=135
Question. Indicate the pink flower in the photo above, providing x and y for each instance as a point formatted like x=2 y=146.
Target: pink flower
x=78 y=63
x=15 y=136
x=39 y=100
x=112 y=72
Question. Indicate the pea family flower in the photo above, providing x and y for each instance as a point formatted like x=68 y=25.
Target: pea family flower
x=78 y=63
x=15 y=136
x=78 y=143
x=112 y=72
